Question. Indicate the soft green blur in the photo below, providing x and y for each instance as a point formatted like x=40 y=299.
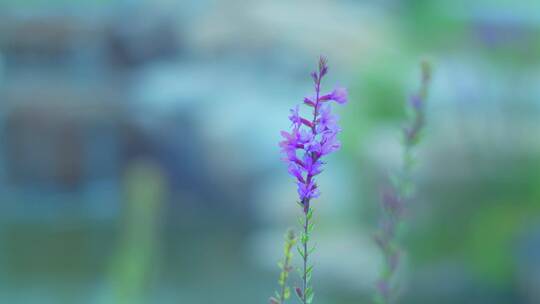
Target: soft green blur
x=139 y=159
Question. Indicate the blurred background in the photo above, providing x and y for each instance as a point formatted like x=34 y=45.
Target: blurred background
x=139 y=159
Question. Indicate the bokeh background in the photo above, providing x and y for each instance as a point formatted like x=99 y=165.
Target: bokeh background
x=139 y=159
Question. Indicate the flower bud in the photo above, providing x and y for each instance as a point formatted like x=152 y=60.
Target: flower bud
x=299 y=292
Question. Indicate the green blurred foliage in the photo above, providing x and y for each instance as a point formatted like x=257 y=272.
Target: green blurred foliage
x=135 y=262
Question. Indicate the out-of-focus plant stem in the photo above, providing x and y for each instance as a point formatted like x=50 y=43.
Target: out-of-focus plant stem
x=397 y=196
x=285 y=266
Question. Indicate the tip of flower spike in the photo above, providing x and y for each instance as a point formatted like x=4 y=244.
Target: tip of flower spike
x=323 y=67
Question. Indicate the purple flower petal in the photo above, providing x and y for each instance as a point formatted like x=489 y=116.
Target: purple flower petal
x=339 y=95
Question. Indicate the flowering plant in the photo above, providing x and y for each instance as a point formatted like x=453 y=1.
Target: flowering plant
x=304 y=148
x=312 y=139
x=395 y=198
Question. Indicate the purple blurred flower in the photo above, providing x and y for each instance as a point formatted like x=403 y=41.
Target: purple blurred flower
x=415 y=101
x=312 y=139
x=289 y=146
x=329 y=143
x=311 y=166
x=295 y=171
x=328 y=121
x=383 y=288
x=307 y=190
x=392 y=202
x=295 y=117
x=338 y=95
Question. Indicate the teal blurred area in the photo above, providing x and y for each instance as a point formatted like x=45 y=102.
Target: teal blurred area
x=139 y=159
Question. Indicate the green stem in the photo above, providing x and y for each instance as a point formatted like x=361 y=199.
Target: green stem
x=307 y=291
x=290 y=241
x=285 y=266
x=306 y=254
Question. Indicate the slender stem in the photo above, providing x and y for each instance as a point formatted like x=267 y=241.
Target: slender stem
x=282 y=294
x=286 y=266
x=401 y=193
x=307 y=291
x=316 y=108
x=306 y=255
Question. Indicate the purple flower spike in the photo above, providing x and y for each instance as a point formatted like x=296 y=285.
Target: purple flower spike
x=304 y=148
x=323 y=67
x=312 y=138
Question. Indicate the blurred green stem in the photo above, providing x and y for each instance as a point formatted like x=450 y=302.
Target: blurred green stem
x=285 y=266
x=398 y=195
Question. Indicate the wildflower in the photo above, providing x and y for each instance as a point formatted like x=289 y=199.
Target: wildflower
x=338 y=95
x=395 y=198
x=328 y=121
x=304 y=148
x=312 y=167
x=295 y=117
x=311 y=139
x=295 y=171
x=307 y=190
